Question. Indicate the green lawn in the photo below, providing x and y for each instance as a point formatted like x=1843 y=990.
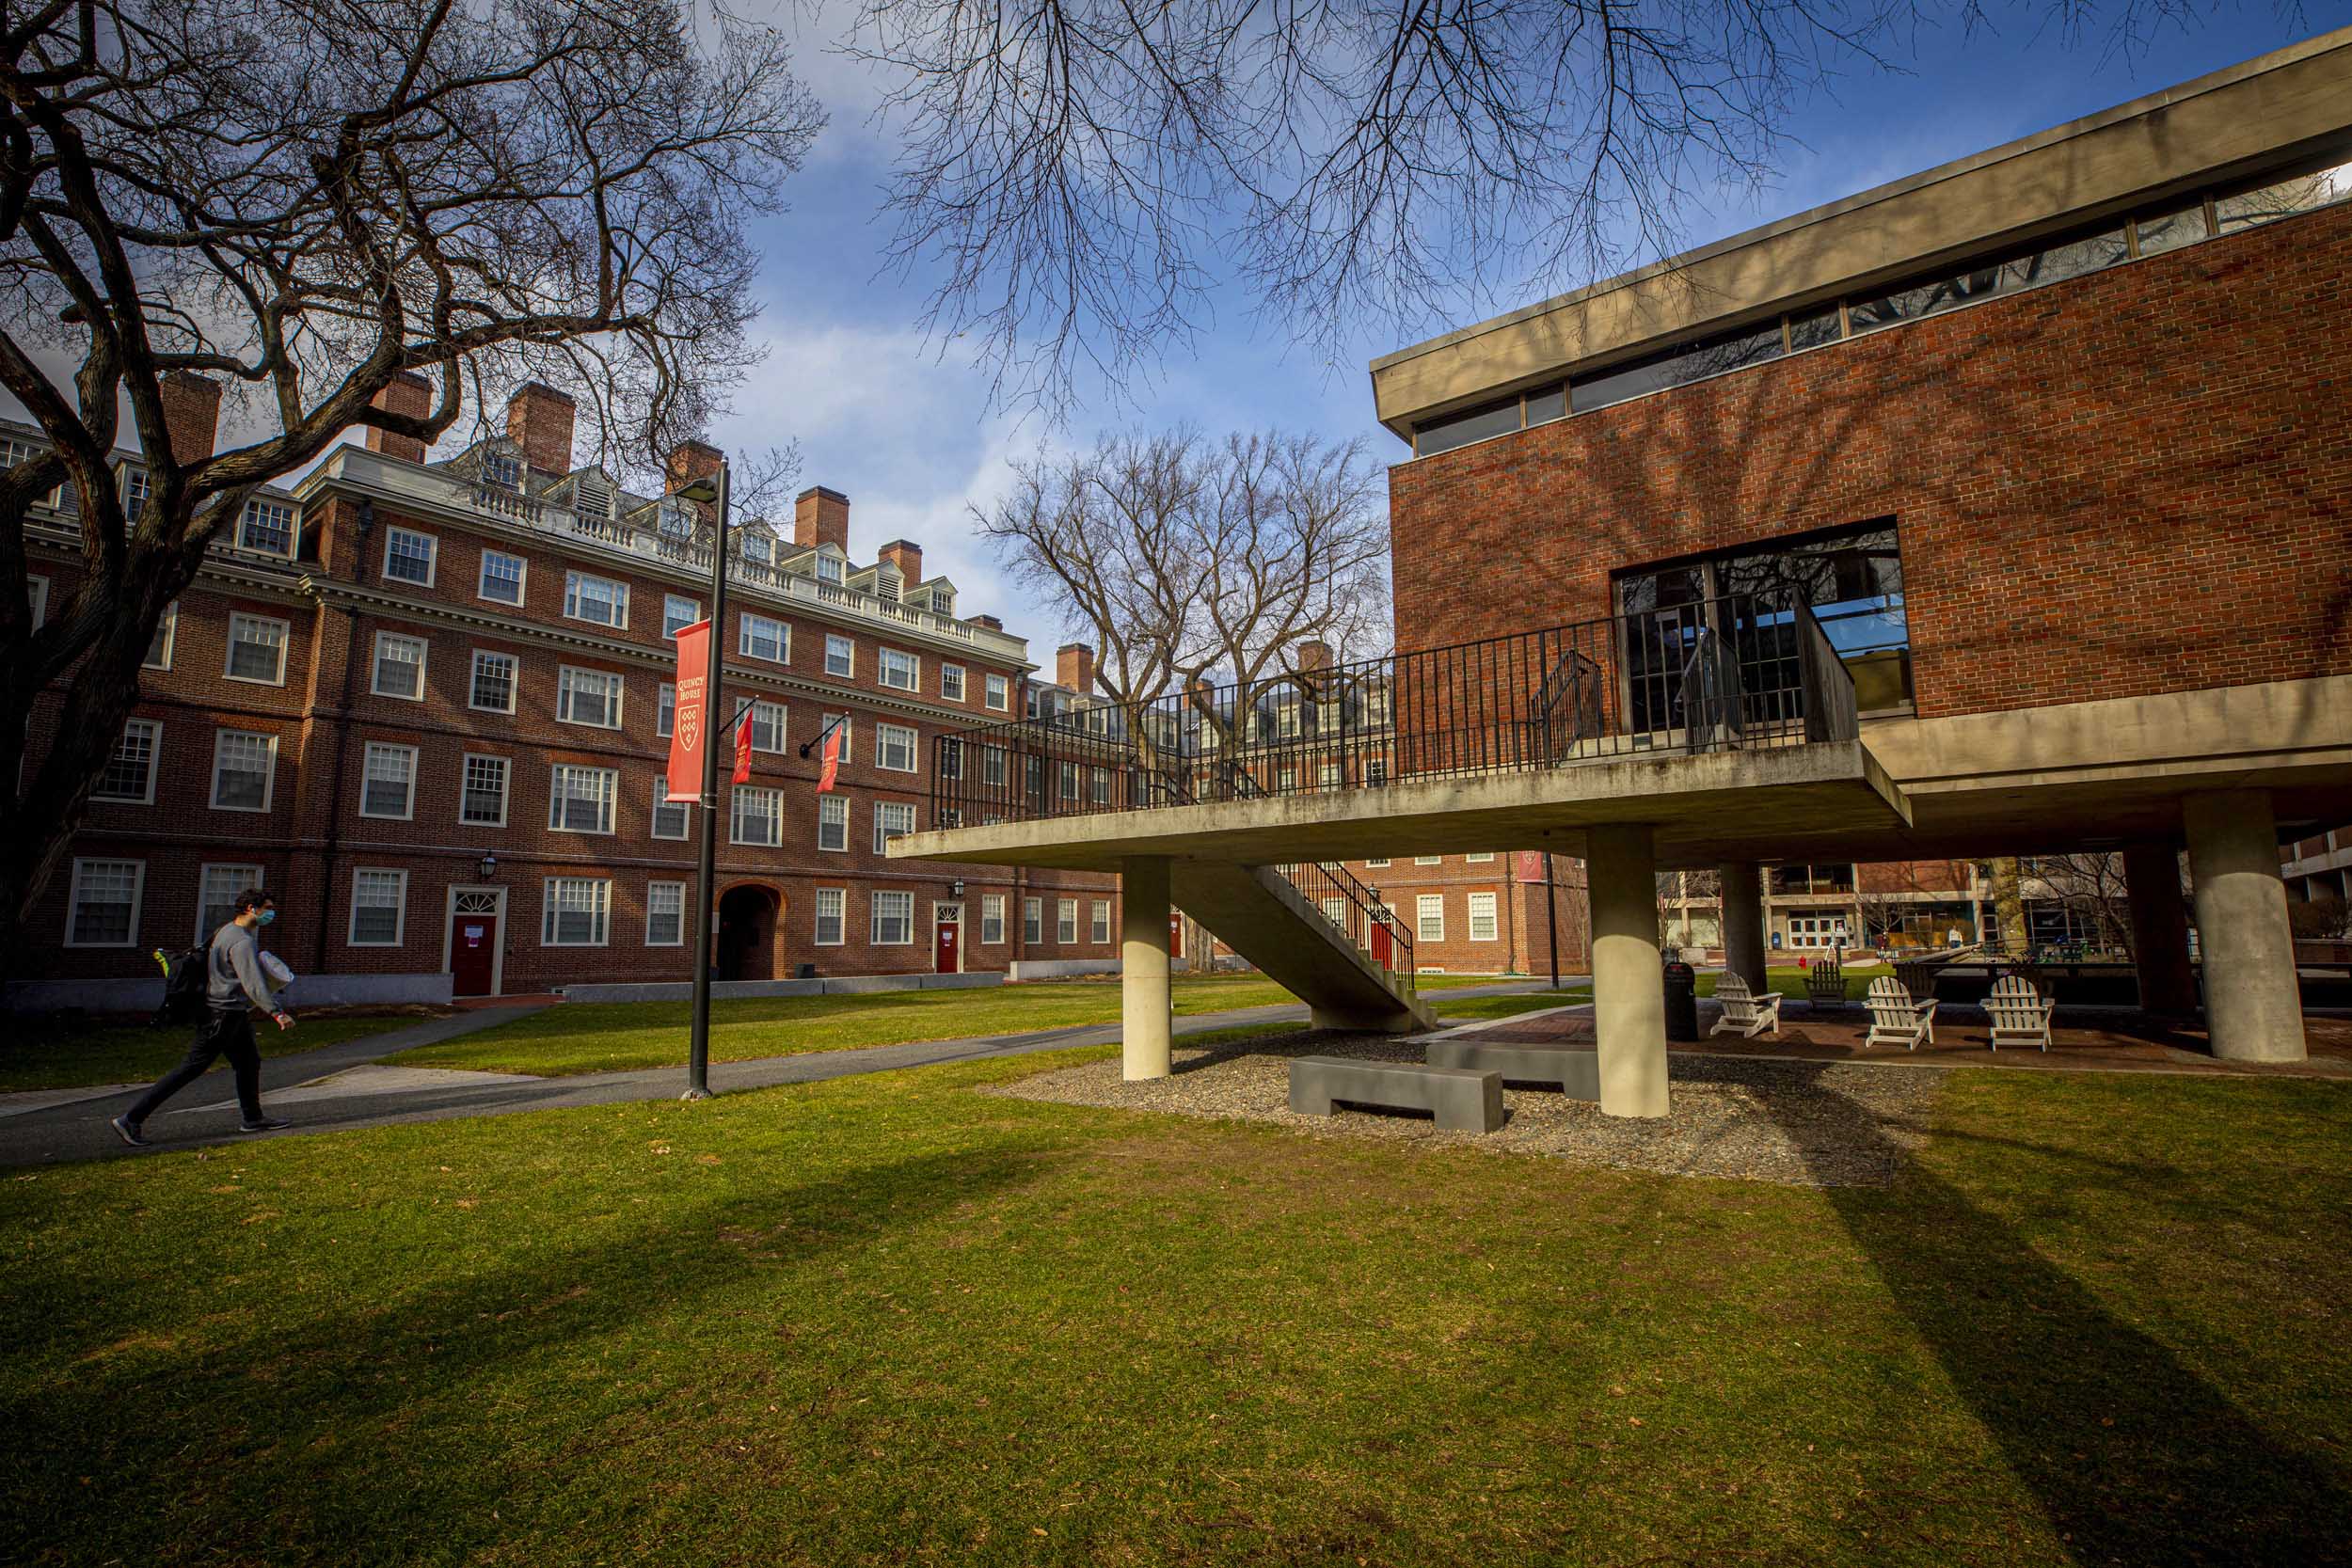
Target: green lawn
x=50 y=1055
x=1790 y=982
x=616 y=1037
x=884 y=1321
x=1464 y=1009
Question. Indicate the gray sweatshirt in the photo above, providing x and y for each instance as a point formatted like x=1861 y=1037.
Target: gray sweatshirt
x=235 y=965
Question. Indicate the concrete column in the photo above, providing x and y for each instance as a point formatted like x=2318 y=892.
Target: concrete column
x=2151 y=877
x=1629 y=994
x=1743 y=922
x=1143 y=965
x=2252 y=1009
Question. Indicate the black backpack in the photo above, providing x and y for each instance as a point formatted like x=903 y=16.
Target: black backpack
x=184 y=989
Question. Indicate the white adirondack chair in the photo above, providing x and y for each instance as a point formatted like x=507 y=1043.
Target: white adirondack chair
x=1745 y=1014
x=2020 y=1014
x=1896 y=1019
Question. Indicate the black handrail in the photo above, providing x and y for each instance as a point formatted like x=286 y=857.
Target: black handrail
x=1363 y=920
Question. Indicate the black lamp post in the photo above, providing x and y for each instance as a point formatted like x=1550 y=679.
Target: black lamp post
x=708 y=491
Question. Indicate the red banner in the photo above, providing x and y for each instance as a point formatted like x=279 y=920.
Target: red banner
x=1530 y=866
x=743 y=748
x=833 y=759
x=691 y=718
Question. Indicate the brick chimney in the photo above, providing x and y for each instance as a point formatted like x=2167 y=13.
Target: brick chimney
x=409 y=394
x=1314 y=654
x=539 y=420
x=991 y=621
x=822 y=517
x=191 y=414
x=905 y=555
x=1074 y=668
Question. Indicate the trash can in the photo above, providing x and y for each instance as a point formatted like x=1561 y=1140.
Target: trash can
x=1682 y=1000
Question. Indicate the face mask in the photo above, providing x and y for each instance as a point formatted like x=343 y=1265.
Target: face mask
x=267 y=916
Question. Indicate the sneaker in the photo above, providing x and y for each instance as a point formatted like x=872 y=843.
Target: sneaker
x=267 y=1124
x=128 y=1131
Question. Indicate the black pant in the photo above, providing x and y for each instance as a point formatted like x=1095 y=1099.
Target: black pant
x=229 y=1034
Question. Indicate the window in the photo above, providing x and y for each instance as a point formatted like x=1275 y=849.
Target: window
x=1478 y=860
x=136 y=490
x=900 y=671
x=765 y=638
x=755 y=546
x=893 y=922
x=501 y=577
x=1373 y=866
x=580 y=799
x=493 y=687
x=833 y=822
x=266 y=525
x=216 y=889
x=829 y=920
x=992 y=919
x=991 y=766
x=767 y=726
x=1483 y=926
x=389 y=781
x=1984 y=279
x=840 y=655
x=665 y=709
x=669 y=817
x=244 y=768
x=891 y=818
x=999 y=693
x=399 y=666
x=951 y=681
x=37 y=595
x=103 y=908
x=679 y=612
x=758 y=816
x=594 y=598
x=2282 y=198
x=665 y=914
x=845 y=726
x=409 y=556
x=257 y=650
x=159 y=646
x=894 y=748
x=1033 y=921
x=1101 y=931
x=828 y=569
x=1101 y=779
x=482 y=800
x=1429 y=860
x=590 y=697
x=379 y=907
x=1335 y=911
x=1429 y=917
x=129 y=773
x=1066 y=921
x=949 y=751
x=1068 y=780
x=576 y=910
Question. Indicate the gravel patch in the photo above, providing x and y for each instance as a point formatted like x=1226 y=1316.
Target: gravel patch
x=1810 y=1124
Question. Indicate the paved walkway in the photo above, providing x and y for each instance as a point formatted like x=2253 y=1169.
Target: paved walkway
x=338 y=1087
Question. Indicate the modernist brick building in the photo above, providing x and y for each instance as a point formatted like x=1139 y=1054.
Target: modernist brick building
x=428 y=704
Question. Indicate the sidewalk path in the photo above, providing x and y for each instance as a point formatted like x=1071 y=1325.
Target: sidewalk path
x=330 y=1097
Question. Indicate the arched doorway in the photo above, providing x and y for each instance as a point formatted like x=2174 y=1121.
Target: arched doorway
x=745 y=948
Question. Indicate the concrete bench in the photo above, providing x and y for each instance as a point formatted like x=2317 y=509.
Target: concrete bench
x=1464 y=1100
x=1574 y=1074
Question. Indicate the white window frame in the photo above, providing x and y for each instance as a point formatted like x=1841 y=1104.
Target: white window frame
x=269 y=777
x=73 y=898
x=523 y=578
x=946 y=673
x=244 y=526
x=555 y=797
x=992 y=919
x=572 y=583
x=37 y=599
x=882 y=666
x=783 y=638
x=566 y=679
x=514 y=680
x=1480 y=859
x=1425 y=906
x=663 y=803
x=874 y=905
x=669 y=603
x=506 y=788
x=774 y=714
x=839 y=897
x=883 y=812
x=400 y=910
x=996 y=692
x=250 y=874
x=167 y=635
x=848 y=732
x=679 y=888
x=847 y=647
x=549 y=913
x=1374 y=865
x=368 y=754
x=285 y=649
x=1065 y=923
x=826 y=806
x=154 y=764
x=1033 y=922
x=431 y=556
x=885 y=734
x=773 y=816
x=1493 y=905
x=1429 y=860
x=375 y=666
x=665 y=710
x=1099 y=930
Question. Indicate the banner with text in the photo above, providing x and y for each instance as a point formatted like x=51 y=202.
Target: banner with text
x=690 y=722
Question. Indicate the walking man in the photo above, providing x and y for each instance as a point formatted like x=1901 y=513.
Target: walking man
x=233 y=980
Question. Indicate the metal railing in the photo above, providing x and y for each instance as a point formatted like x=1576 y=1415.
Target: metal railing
x=1359 y=916
x=1712 y=676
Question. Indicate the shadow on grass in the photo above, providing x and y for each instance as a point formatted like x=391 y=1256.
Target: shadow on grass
x=2135 y=1457
x=394 y=1429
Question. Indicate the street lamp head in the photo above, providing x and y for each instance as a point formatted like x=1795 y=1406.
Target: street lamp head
x=488 y=867
x=703 y=491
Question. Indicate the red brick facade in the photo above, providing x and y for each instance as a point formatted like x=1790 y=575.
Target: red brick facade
x=2134 y=482
x=1520 y=940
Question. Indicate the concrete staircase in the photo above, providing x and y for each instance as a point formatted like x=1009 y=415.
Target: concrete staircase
x=1264 y=917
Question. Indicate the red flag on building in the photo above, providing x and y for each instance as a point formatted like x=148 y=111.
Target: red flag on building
x=1530 y=866
x=743 y=748
x=691 y=718
x=832 y=757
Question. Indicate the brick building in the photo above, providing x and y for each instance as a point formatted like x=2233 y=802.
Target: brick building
x=428 y=704
x=1483 y=912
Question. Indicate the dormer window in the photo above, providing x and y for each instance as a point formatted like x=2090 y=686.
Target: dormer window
x=266 y=525
x=134 y=492
x=757 y=546
x=501 y=469
x=676 y=517
x=828 y=569
x=592 y=497
x=886 y=583
x=943 y=600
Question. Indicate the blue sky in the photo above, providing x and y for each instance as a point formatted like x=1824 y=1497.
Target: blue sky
x=906 y=431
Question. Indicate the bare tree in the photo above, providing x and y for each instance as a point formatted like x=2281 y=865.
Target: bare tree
x=2091 y=888
x=1085 y=172
x=307 y=199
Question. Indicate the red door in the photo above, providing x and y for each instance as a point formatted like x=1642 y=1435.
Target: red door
x=943 y=942
x=1175 y=935
x=474 y=949
x=1383 y=951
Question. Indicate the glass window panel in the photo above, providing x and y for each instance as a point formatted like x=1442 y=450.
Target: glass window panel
x=493 y=682
x=2283 y=198
x=1815 y=327
x=1461 y=430
x=129 y=773
x=2170 y=230
x=1548 y=405
x=483 y=799
x=829 y=905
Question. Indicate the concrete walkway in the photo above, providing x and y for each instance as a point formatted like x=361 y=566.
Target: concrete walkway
x=336 y=1087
